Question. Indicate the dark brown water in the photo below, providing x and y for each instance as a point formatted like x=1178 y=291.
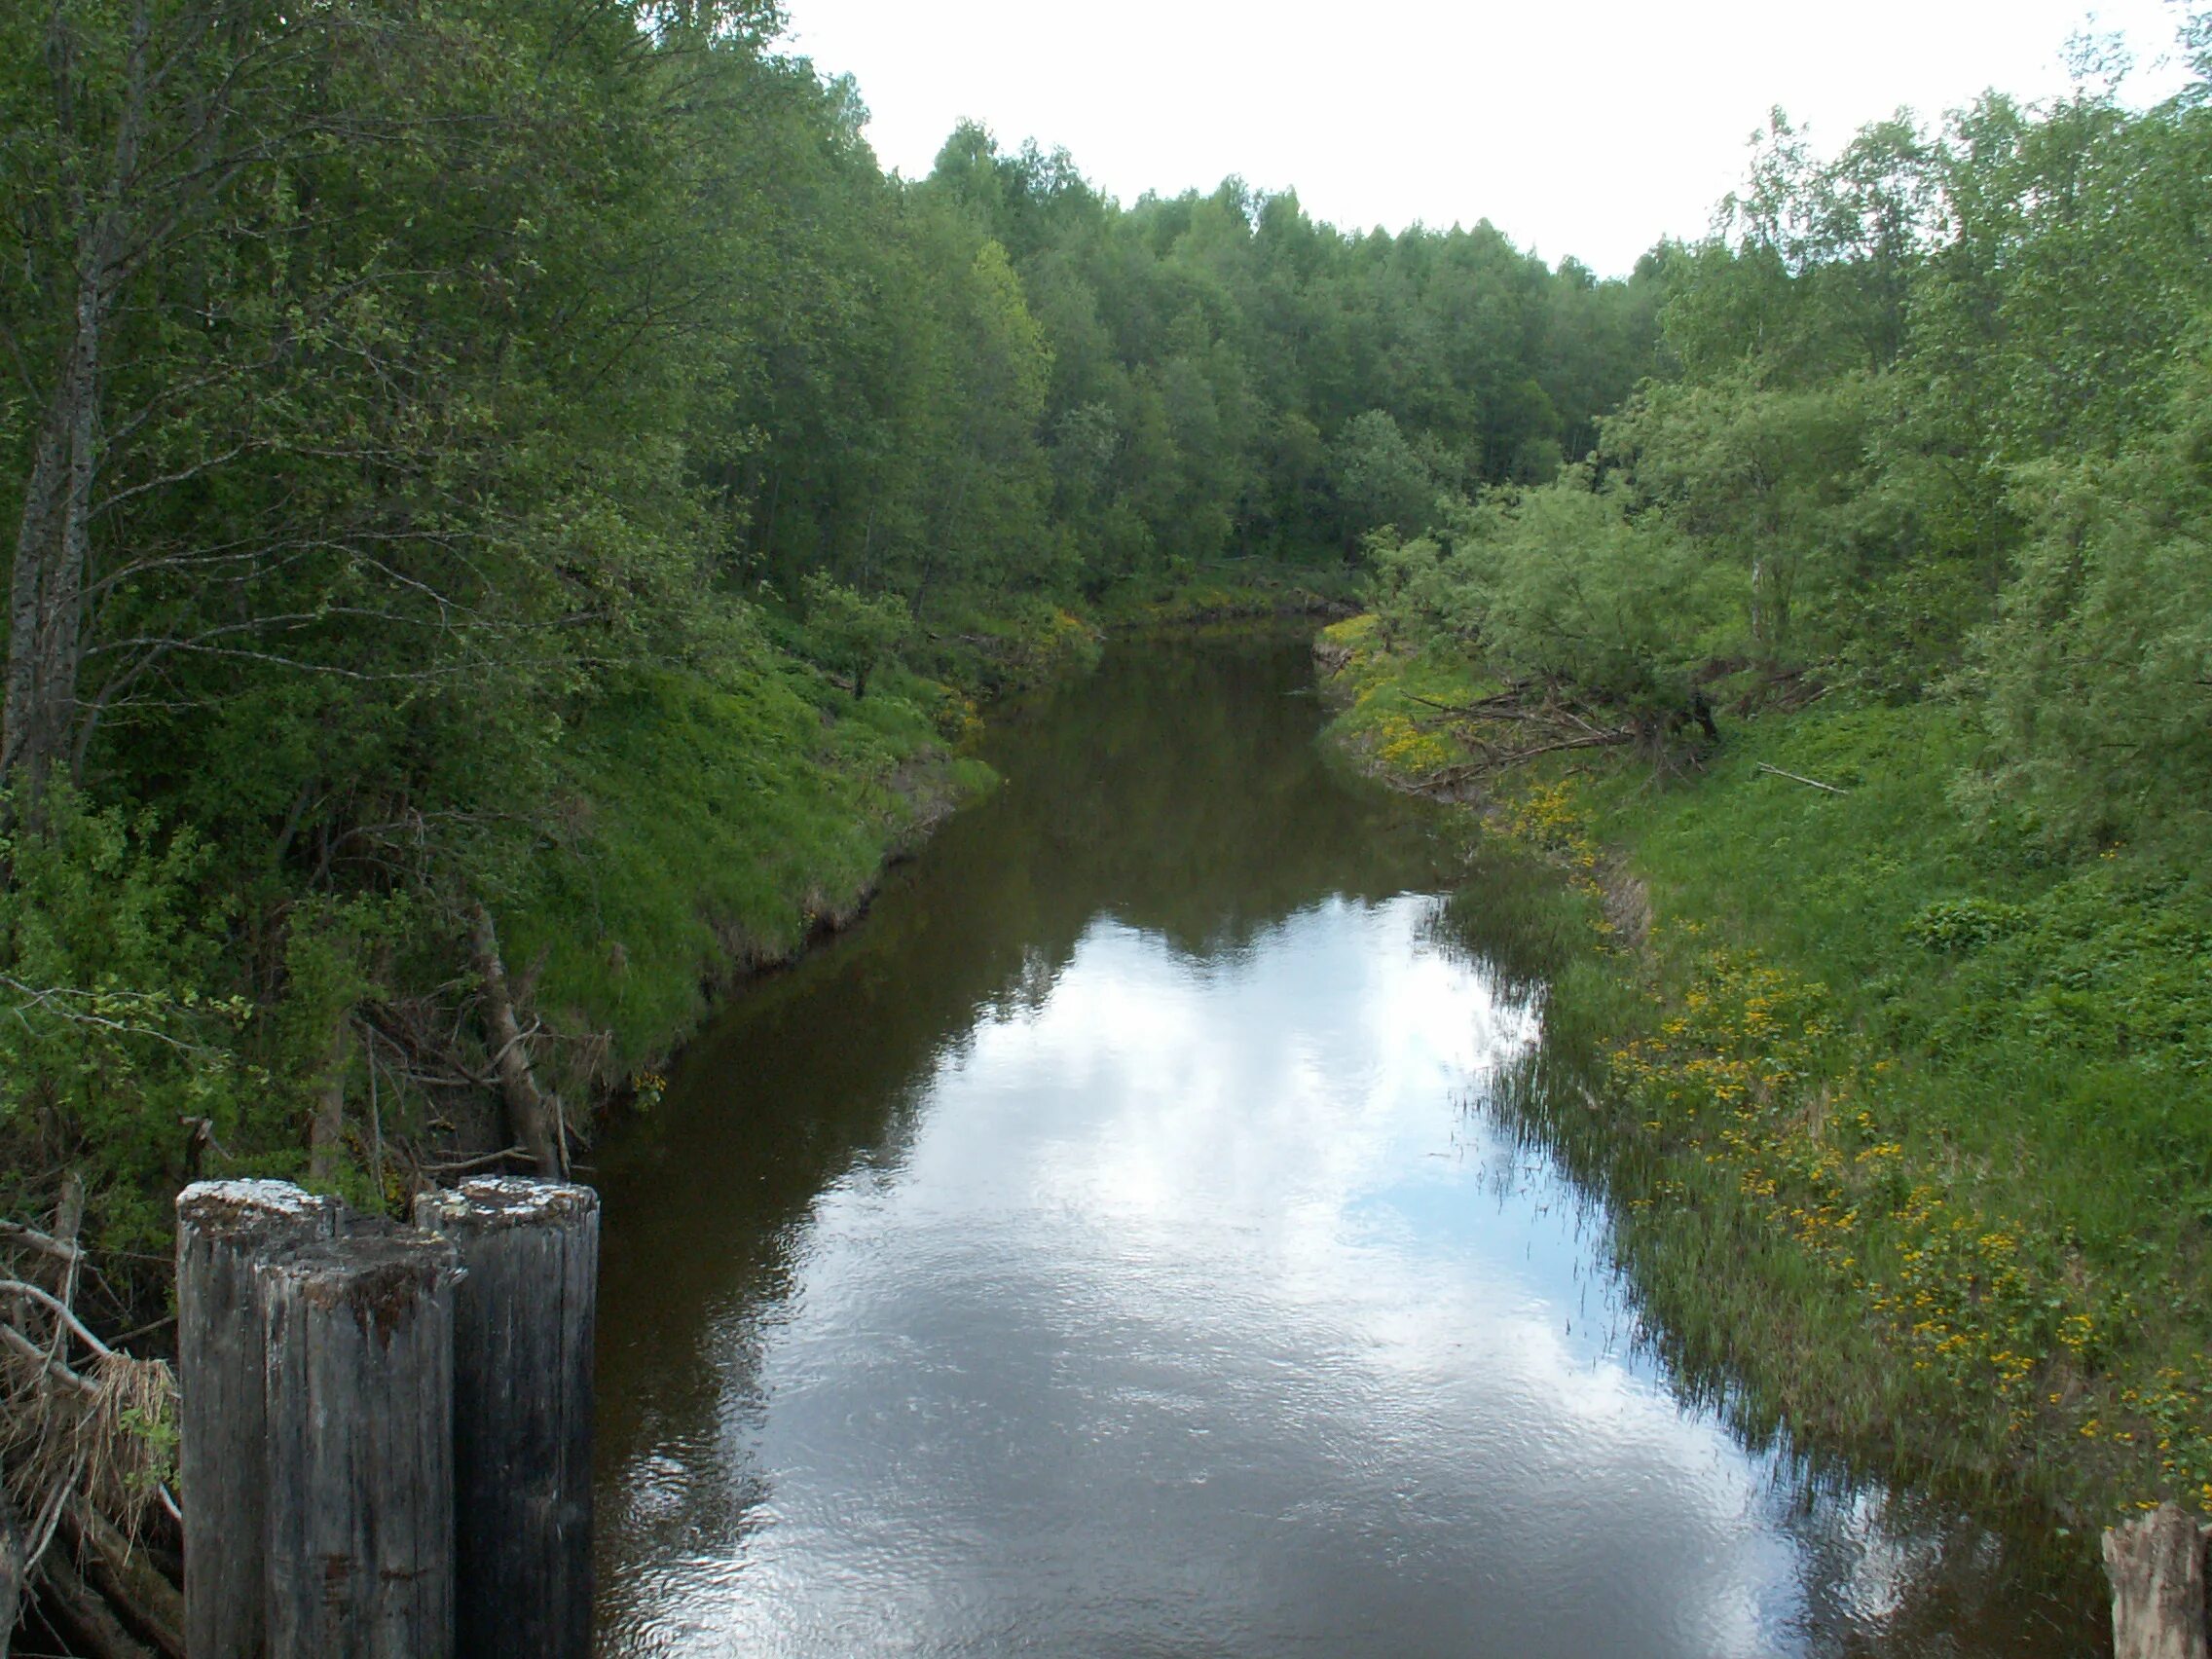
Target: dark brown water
x=1104 y=1250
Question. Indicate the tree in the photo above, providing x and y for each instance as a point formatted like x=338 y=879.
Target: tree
x=1381 y=478
x=851 y=631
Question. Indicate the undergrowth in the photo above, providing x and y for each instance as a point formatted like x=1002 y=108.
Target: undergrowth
x=1228 y=590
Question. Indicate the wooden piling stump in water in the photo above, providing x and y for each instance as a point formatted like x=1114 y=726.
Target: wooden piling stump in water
x=523 y=1320
x=2157 y=1566
x=358 y=1332
x=222 y=1228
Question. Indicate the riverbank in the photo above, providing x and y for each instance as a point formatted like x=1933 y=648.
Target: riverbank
x=720 y=829
x=1905 y=1120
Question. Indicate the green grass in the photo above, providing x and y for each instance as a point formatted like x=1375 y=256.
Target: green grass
x=712 y=828
x=1939 y=1103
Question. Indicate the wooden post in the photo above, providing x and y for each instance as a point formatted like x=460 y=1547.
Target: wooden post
x=221 y=1228
x=360 y=1338
x=2157 y=1566
x=523 y=1320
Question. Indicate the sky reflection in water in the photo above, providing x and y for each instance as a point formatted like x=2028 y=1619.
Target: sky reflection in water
x=1197 y=1316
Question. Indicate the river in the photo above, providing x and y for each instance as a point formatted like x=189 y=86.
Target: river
x=1112 y=1247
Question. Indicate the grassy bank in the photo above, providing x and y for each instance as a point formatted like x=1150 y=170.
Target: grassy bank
x=715 y=826
x=1905 y=1121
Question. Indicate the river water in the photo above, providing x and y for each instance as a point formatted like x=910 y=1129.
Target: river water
x=1109 y=1248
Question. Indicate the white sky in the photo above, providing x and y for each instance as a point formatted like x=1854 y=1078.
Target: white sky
x=1589 y=129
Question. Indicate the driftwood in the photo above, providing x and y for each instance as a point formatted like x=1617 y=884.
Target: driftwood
x=80 y=1614
x=2157 y=1566
x=147 y=1603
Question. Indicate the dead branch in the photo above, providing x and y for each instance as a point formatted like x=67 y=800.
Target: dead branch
x=1506 y=698
x=60 y=1310
x=461 y=1165
x=143 y=1600
x=15 y=1340
x=16 y=1232
x=1593 y=740
x=1811 y=783
x=81 y=1422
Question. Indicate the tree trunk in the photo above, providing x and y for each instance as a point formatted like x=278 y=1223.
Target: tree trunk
x=54 y=537
x=532 y=1121
x=52 y=542
x=34 y=545
x=326 y=1129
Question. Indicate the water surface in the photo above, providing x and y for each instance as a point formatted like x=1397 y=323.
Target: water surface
x=1104 y=1250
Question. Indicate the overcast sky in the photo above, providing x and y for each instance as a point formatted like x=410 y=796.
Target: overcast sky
x=1589 y=129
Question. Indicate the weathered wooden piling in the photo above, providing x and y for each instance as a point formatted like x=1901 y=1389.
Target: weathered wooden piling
x=2157 y=1566
x=222 y=1228
x=358 y=1333
x=523 y=1320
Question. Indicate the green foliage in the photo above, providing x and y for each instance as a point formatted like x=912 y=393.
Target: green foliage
x=546 y=463
x=1764 y=477
x=1932 y=421
x=2098 y=667
x=1380 y=479
x=1556 y=584
x=1954 y=925
x=851 y=631
x=113 y=1024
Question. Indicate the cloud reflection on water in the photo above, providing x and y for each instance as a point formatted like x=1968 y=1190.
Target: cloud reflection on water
x=1195 y=1315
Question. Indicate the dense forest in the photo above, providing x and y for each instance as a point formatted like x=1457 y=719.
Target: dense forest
x=1933 y=418
x=514 y=509
x=431 y=426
